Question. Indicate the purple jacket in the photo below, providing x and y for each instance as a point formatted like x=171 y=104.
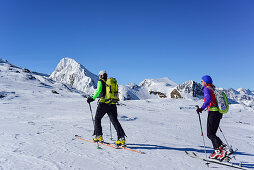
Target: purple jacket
x=209 y=97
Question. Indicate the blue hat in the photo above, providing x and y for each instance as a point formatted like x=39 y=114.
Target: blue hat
x=207 y=79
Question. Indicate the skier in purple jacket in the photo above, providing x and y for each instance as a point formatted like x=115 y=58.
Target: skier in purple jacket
x=213 y=120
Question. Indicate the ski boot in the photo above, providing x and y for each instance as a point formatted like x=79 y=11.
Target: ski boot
x=215 y=154
x=228 y=150
x=223 y=153
x=98 y=139
x=121 y=142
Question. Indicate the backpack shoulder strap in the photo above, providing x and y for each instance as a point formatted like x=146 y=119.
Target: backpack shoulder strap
x=103 y=81
x=210 y=88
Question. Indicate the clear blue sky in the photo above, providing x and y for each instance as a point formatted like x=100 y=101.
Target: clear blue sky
x=134 y=40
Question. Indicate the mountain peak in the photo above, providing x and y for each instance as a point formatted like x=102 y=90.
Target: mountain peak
x=69 y=64
x=71 y=72
x=165 y=81
x=190 y=88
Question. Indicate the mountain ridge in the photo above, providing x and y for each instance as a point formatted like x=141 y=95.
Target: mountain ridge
x=74 y=75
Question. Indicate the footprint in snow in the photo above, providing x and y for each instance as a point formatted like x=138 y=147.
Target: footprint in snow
x=31 y=123
x=125 y=118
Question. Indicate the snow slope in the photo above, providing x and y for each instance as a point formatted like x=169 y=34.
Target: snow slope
x=38 y=128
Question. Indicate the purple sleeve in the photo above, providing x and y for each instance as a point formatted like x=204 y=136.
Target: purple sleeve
x=207 y=96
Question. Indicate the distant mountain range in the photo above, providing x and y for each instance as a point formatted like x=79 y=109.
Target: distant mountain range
x=70 y=72
x=72 y=75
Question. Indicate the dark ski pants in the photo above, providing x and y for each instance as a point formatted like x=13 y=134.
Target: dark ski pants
x=111 y=110
x=213 y=122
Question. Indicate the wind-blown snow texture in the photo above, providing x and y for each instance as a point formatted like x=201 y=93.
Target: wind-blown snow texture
x=38 y=128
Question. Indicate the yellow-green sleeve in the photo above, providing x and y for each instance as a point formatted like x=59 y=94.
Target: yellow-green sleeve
x=98 y=90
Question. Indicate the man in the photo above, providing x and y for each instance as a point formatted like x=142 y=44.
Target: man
x=103 y=108
x=213 y=120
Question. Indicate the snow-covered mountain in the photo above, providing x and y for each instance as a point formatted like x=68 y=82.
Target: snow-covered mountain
x=128 y=92
x=147 y=89
x=163 y=85
x=242 y=96
x=190 y=89
x=162 y=88
x=73 y=73
x=245 y=91
x=17 y=76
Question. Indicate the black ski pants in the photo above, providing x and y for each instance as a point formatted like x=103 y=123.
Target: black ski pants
x=213 y=122
x=111 y=110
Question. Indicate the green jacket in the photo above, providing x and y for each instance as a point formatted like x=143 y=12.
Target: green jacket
x=98 y=90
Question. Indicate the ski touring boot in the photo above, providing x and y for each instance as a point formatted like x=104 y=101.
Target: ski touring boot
x=215 y=154
x=225 y=152
x=98 y=139
x=121 y=142
x=228 y=150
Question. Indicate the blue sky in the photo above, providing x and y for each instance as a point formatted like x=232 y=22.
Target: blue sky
x=134 y=40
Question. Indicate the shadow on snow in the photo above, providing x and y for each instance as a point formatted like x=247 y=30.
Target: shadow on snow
x=208 y=150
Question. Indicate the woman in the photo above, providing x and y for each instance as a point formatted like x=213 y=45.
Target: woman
x=213 y=120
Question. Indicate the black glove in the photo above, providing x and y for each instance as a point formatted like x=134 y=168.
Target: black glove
x=90 y=99
x=199 y=110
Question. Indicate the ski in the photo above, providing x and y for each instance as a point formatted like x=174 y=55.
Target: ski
x=101 y=143
x=215 y=161
x=109 y=145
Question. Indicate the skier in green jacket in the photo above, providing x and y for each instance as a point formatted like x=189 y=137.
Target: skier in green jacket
x=102 y=109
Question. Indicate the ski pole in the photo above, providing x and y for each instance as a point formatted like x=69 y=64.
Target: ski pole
x=91 y=114
x=98 y=147
x=224 y=136
x=110 y=131
x=202 y=134
x=230 y=146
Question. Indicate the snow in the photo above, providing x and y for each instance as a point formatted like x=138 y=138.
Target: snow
x=245 y=91
x=163 y=85
x=71 y=72
x=190 y=89
x=241 y=95
x=38 y=128
x=147 y=89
